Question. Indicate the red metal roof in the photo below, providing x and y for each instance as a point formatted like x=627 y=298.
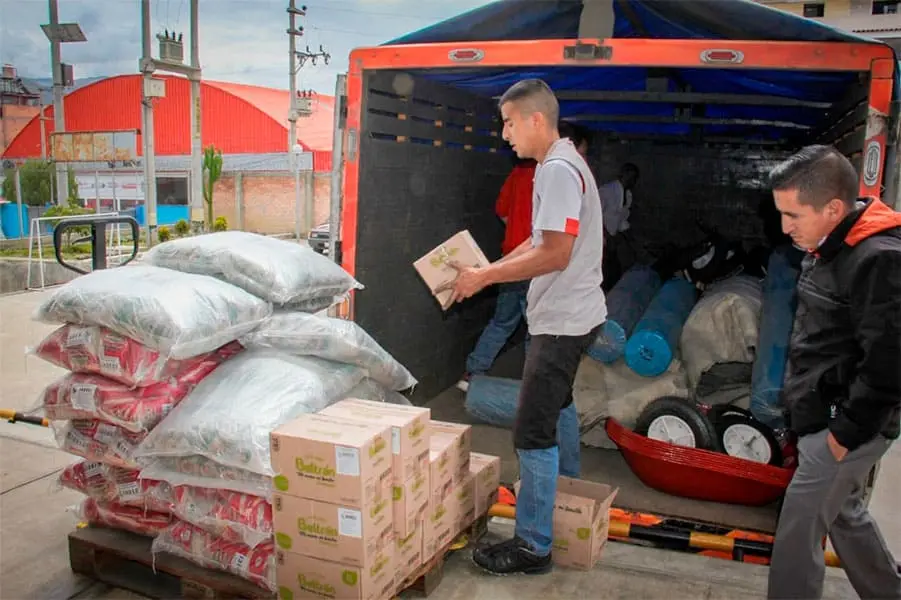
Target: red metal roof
x=236 y=118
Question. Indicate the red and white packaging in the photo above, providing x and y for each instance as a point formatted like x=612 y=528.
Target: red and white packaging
x=81 y=396
x=99 y=441
x=99 y=351
x=130 y=518
x=232 y=516
x=205 y=549
x=106 y=484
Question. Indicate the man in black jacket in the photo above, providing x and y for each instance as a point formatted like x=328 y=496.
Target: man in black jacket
x=842 y=389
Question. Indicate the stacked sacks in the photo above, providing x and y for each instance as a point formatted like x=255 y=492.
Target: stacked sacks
x=136 y=341
x=212 y=451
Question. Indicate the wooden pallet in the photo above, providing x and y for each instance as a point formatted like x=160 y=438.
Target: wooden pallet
x=426 y=578
x=122 y=559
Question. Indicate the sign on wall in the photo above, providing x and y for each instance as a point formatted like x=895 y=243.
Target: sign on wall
x=94 y=146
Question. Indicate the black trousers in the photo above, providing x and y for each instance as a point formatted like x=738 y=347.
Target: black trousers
x=547 y=387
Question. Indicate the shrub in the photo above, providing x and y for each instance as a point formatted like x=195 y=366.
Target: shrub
x=220 y=224
x=182 y=228
x=164 y=234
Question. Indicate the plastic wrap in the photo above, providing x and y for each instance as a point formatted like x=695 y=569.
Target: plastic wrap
x=105 y=484
x=279 y=271
x=199 y=471
x=178 y=314
x=655 y=339
x=192 y=543
x=228 y=417
x=232 y=516
x=304 y=334
x=98 y=441
x=100 y=351
x=626 y=303
x=370 y=389
x=130 y=518
x=79 y=396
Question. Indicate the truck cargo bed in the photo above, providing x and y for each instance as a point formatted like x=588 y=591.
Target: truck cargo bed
x=607 y=466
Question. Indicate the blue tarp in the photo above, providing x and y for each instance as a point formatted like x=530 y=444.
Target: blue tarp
x=657 y=19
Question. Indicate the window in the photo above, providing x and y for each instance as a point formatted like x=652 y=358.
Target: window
x=172 y=191
x=813 y=10
x=885 y=7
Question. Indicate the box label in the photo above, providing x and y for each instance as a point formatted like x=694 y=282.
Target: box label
x=350 y=523
x=347 y=461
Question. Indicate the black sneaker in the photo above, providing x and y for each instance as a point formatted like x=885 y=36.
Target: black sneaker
x=512 y=556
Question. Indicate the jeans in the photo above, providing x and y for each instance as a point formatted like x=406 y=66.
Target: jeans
x=509 y=311
x=494 y=400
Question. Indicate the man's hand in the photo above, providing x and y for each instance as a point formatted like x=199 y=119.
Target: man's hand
x=469 y=282
x=839 y=452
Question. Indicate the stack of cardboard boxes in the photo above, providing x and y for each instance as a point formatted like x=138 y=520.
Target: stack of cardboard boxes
x=367 y=493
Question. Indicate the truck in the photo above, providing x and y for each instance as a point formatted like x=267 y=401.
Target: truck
x=704 y=96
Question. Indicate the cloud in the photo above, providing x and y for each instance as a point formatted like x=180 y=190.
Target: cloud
x=243 y=41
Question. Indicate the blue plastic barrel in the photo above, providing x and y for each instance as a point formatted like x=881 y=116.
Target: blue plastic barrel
x=651 y=347
x=493 y=400
x=626 y=302
x=777 y=317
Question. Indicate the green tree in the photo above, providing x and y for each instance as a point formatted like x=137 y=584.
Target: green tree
x=212 y=171
x=38 y=180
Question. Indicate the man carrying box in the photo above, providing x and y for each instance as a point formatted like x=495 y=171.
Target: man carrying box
x=565 y=310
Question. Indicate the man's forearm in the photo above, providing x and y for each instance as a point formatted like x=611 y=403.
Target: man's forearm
x=526 y=264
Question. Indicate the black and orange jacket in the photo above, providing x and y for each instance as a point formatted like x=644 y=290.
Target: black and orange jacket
x=844 y=362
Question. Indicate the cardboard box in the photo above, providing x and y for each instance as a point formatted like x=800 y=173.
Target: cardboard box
x=408 y=555
x=438 y=527
x=486 y=471
x=434 y=270
x=410 y=502
x=332 y=460
x=442 y=449
x=460 y=456
x=299 y=576
x=581 y=521
x=409 y=431
x=463 y=497
x=333 y=532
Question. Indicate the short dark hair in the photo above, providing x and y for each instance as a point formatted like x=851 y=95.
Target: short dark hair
x=533 y=95
x=820 y=174
x=576 y=133
x=629 y=169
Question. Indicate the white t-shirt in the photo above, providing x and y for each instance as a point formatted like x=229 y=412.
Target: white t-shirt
x=565 y=199
x=616 y=203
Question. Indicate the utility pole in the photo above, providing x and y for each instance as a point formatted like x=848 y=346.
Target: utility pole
x=59 y=117
x=59 y=34
x=171 y=60
x=301 y=106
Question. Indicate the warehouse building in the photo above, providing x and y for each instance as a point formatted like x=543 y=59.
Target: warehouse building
x=248 y=124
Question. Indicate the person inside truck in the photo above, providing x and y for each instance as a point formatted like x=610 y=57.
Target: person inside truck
x=564 y=311
x=842 y=388
x=514 y=207
x=616 y=200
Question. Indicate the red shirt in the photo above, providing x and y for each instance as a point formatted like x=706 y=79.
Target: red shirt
x=514 y=203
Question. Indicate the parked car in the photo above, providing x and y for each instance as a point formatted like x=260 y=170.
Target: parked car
x=319 y=237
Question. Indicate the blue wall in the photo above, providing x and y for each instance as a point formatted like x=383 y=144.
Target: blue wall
x=165 y=215
x=13 y=227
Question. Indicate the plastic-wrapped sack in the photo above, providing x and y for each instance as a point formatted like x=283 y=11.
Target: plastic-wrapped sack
x=200 y=471
x=279 y=271
x=370 y=389
x=129 y=518
x=232 y=516
x=192 y=543
x=98 y=441
x=178 y=314
x=304 y=334
x=80 y=396
x=99 y=351
x=228 y=417
x=105 y=483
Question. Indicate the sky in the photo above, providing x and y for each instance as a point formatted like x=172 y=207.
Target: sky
x=241 y=41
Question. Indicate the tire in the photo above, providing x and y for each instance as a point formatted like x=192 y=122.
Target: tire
x=718 y=411
x=685 y=416
x=769 y=450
